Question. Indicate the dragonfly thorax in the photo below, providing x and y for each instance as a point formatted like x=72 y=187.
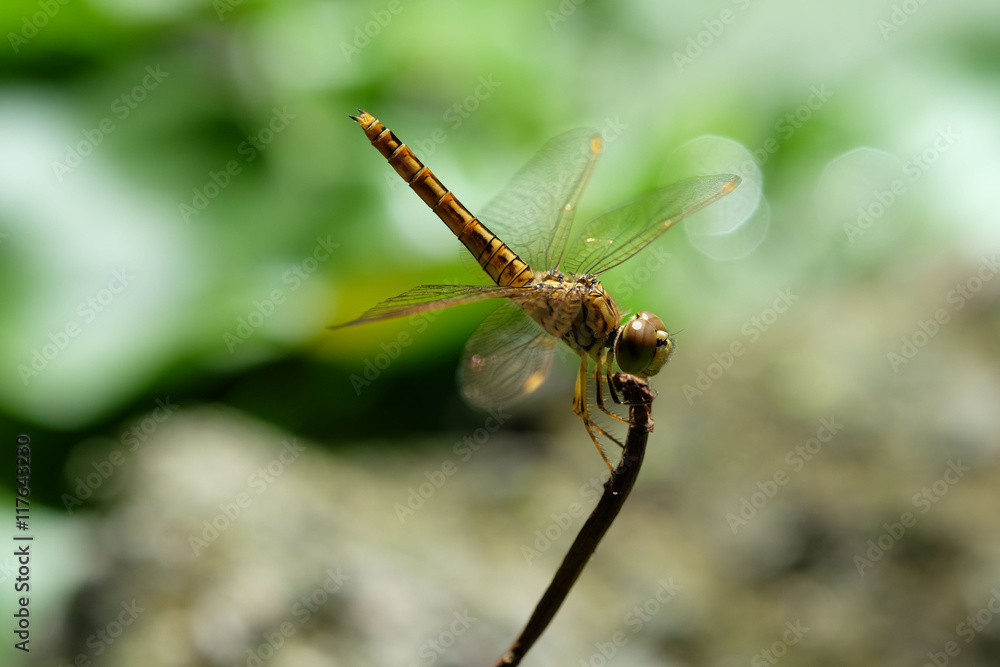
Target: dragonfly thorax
x=574 y=308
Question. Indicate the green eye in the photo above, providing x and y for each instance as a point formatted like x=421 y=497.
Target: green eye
x=643 y=345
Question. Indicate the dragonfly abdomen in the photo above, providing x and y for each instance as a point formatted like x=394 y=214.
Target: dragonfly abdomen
x=500 y=262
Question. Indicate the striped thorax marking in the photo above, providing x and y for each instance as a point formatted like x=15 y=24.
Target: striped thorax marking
x=575 y=309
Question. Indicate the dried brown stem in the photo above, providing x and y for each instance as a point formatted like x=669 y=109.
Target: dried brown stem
x=636 y=393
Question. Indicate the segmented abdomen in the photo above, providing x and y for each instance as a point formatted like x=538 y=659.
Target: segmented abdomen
x=499 y=261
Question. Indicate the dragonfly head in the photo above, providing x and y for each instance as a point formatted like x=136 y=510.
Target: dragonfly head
x=643 y=345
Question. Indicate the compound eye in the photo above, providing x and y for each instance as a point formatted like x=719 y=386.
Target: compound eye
x=644 y=345
x=652 y=319
x=636 y=345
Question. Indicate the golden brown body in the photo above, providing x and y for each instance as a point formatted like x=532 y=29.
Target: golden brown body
x=574 y=309
x=499 y=261
x=508 y=356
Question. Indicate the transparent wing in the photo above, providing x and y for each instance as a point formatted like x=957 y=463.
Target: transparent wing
x=508 y=356
x=534 y=213
x=611 y=238
x=431 y=297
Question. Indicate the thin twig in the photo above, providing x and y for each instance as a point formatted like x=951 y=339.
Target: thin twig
x=616 y=490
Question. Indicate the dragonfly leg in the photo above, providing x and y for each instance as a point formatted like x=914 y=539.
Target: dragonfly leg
x=602 y=362
x=580 y=408
x=611 y=383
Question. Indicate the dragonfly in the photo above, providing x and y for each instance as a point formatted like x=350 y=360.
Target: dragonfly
x=551 y=286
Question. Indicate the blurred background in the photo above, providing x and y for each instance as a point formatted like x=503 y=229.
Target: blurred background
x=217 y=479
